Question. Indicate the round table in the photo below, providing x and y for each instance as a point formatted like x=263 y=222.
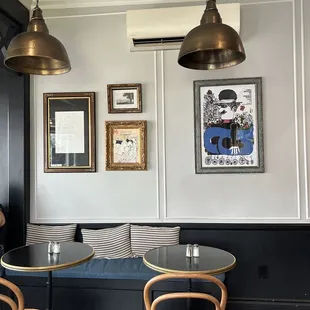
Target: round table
x=35 y=258
x=172 y=259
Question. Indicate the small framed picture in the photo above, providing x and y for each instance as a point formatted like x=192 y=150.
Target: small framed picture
x=126 y=145
x=124 y=98
x=69 y=132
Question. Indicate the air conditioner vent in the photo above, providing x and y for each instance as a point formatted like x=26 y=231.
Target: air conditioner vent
x=158 y=41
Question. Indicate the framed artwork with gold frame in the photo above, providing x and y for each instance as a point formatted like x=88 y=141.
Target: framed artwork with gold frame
x=124 y=98
x=69 y=132
x=126 y=145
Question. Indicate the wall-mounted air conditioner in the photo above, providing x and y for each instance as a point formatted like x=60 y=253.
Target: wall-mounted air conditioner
x=165 y=28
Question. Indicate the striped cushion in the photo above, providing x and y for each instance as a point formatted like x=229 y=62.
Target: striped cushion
x=145 y=238
x=109 y=242
x=43 y=233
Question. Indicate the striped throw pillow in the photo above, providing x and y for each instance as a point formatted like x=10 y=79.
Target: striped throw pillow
x=109 y=242
x=44 y=233
x=146 y=238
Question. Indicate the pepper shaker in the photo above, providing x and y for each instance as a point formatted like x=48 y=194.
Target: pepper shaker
x=196 y=250
x=56 y=248
x=189 y=250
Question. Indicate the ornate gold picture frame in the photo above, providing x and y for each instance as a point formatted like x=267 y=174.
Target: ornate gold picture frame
x=126 y=145
x=69 y=132
x=124 y=98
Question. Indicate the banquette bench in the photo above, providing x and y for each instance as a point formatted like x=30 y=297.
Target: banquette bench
x=271 y=262
x=100 y=283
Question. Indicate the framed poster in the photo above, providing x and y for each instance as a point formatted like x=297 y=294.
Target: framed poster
x=229 y=126
x=126 y=145
x=69 y=132
x=125 y=98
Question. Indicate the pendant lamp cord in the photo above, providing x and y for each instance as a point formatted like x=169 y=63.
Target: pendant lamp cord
x=37 y=3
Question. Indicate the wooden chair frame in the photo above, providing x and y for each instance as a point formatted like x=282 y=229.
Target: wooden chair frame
x=17 y=292
x=169 y=276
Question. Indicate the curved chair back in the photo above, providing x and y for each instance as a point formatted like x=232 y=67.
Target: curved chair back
x=17 y=292
x=219 y=305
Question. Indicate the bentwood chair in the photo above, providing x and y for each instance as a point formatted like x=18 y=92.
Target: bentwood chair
x=219 y=305
x=17 y=293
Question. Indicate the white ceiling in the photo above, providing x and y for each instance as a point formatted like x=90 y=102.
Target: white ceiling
x=67 y=4
x=76 y=4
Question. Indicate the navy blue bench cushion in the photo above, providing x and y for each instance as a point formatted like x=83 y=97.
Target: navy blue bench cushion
x=123 y=268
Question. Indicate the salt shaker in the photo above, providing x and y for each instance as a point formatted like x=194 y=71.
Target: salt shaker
x=189 y=250
x=196 y=250
x=56 y=248
x=196 y=262
x=50 y=247
x=55 y=258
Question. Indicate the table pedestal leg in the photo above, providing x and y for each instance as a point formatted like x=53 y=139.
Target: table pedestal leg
x=189 y=289
x=49 y=285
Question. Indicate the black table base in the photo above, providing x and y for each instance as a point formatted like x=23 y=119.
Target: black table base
x=189 y=289
x=49 y=285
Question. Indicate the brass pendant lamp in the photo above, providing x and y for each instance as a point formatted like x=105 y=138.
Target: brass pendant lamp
x=36 y=51
x=211 y=45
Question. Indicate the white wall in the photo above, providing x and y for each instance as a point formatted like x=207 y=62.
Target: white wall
x=273 y=33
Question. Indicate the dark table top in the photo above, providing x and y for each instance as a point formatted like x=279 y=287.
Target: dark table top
x=173 y=259
x=34 y=258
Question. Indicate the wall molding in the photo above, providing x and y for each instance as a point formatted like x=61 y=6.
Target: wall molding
x=83 y=4
x=83 y=8
x=239 y=220
x=77 y=220
x=157 y=137
x=84 y=15
x=163 y=115
x=304 y=106
x=33 y=156
x=298 y=167
x=162 y=203
x=268 y=219
x=34 y=218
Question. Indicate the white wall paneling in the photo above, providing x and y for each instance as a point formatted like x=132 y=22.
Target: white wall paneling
x=258 y=197
x=276 y=40
x=98 y=57
x=305 y=42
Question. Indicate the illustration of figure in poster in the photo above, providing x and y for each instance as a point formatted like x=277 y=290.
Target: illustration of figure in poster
x=228 y=126
x=126 y=146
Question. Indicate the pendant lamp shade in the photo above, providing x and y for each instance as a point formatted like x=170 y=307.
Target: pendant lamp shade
x=211 y=45
x=36 y=51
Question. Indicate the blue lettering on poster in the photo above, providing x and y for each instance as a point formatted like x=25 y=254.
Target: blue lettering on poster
x=244 y=136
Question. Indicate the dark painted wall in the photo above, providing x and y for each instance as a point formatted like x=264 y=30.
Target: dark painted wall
x=14 y=128
x=4 y=144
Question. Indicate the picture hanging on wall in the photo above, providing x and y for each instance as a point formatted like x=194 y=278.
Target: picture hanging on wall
x=125 y=98
x=229 y=126
x=69 y=132
x=126 y=145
